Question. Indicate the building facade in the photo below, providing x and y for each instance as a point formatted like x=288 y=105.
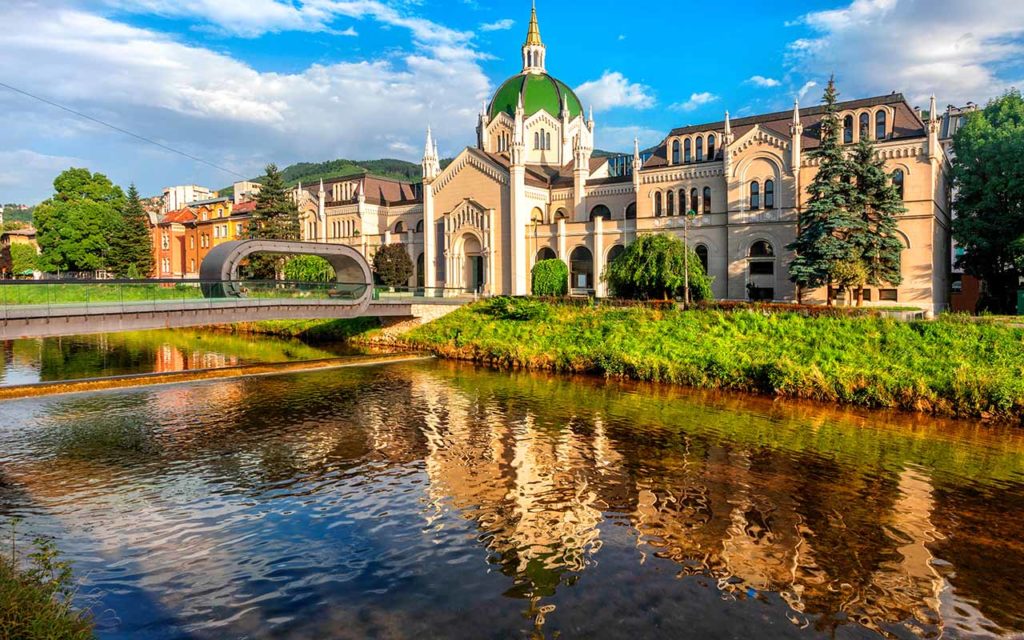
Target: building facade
x=530 y=189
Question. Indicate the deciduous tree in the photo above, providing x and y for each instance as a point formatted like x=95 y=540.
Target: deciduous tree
x=75 y=225
x=988 y=178
x=392 y=265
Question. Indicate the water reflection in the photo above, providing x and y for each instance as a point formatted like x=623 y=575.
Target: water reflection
x=427 y=500
x=162 y=351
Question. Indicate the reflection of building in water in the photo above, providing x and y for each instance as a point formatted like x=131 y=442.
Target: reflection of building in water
x=532 y=488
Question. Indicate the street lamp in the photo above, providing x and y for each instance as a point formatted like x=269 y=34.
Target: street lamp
x=690 y=215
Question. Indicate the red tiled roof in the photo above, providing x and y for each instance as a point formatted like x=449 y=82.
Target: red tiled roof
x=181 y=216
x=243 y=208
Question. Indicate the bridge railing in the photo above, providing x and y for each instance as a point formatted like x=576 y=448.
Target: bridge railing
x=35 y=298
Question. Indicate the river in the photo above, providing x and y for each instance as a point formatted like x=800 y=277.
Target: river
x=439 y=499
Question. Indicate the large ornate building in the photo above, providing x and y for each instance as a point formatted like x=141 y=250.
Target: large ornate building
x=531 y=189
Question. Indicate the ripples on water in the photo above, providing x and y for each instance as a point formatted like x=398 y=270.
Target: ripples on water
x=439 y=500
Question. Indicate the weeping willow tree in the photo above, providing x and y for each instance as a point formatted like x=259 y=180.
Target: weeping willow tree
x=654 y=267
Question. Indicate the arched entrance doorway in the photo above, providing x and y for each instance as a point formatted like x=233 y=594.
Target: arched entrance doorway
x=581 y=270
x=474 y=267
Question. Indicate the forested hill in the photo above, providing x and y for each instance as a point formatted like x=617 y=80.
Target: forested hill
x=311 y=172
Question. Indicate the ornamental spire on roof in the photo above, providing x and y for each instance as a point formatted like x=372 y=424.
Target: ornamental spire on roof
x=533 y=35
x=534 y=51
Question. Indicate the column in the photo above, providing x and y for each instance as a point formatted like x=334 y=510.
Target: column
x=598 y=244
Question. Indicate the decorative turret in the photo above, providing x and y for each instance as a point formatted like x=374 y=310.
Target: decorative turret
x=796 y=132
x=590 y=119
x=636 y=164
x=933 y=129
x=518 y=149
x=534 y=50
x=727 y=140
x=431 y=165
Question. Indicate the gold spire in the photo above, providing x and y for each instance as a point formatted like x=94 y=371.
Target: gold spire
x=533 y=35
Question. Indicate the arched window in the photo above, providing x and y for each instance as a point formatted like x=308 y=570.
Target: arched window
x=657 y=205
x=670 y=203
x=600 y=211
x=547 y=253
x=848 y=129
x=702 y=254
x=769 y=194
x=865 y=122
x=631 y=211
x=420 y=276
x=581 y=269
x=755 y=196
x=560 y=214
x=880 y=124
x=419 y=227
x=694 y=201
x=547 y=141
x=536 y=140
x=897 y=181
x=686 y=150
x=675 y=152
x=399 y=227
x=711 y=147
x=615 y=252
x=761 y=249
x=700 y=148
x=707 y=200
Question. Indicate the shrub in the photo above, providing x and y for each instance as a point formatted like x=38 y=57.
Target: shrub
x=550 y=278
x=35 y=601
x=392 y=265
x=504 y=308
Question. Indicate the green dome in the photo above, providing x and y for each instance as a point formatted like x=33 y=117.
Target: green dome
x=540 y=92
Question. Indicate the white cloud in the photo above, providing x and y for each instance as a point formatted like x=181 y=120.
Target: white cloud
x=958 y=50
x=696 y=101
x=810 y=84
x=499 y=25
x=613 y=90
x=219 y=108
x=762 y=81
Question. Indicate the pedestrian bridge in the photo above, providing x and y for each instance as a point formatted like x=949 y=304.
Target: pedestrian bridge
x=46 y=308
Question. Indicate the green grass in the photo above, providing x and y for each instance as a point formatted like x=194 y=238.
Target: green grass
x=35 y=594
x=79 y=293
x=951 y=366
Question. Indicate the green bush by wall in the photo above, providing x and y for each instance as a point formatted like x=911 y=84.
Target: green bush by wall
x=550 y=278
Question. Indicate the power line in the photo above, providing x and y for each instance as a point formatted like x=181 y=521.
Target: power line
x=120 y=130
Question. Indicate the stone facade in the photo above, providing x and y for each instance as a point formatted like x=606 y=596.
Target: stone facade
x=530 y=189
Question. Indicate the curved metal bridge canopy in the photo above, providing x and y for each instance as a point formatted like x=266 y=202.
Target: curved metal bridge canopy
x=222 y=262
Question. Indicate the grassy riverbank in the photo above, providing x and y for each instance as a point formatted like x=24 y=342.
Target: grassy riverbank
x=35 y=599
x=310 y=330
x=952 y=366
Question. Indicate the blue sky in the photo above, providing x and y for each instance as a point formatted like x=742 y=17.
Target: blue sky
x=244 y=82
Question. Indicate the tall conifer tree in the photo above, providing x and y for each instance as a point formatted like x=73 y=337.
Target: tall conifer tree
x=276 y=217
x=131 y=253
x=879 y=204
x=825 y=245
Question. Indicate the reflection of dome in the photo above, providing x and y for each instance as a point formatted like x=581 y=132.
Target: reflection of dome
x=540 y=92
